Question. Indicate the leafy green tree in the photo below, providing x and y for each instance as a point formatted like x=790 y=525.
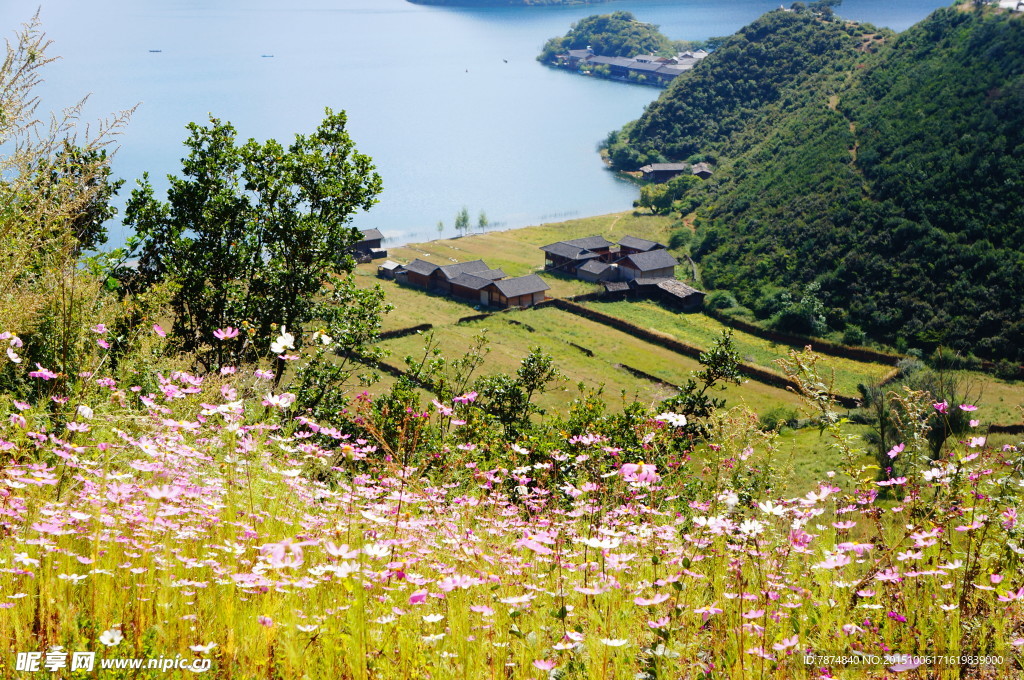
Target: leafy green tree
x=481 y=221
x=249 y=232
x=510 y=399
x=721 y=365
x=462 y=220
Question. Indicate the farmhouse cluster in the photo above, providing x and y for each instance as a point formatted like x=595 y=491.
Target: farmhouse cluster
x=473 y=282
x=634 y=265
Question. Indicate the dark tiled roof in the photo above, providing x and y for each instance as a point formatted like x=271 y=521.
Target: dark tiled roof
x=678 y=288
x=702 y=167
x=422 y=267
x=650 y=261
x=612 y=61
x=644 y=281
x=521 y=285
x=616 y=286
x=472 y=281
x=639 y=243
x=371 y=234
x=594 y=267
x=581 y=54
x=590 y=242
x=656 y=167
x=450 y=271
x=570 y=252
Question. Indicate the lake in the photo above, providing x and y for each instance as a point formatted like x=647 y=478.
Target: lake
x=450 y=103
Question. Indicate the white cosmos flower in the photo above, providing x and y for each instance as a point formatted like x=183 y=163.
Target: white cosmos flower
x=111 y=637
x=85 y=412
x=284 y=341
x=613 y=643
x=203 y=649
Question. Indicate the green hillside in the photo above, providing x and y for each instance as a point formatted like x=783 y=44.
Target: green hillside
x=618 y=34
x=863 y=180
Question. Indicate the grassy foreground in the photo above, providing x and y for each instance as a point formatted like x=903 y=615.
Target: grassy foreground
x=216 y=524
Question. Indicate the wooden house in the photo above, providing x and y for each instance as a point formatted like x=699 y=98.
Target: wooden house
x=628 y=245
x=679 y=295
x=596 y=271
x=369 y=247
x=472 y=286
x=419 y=273
x=650 y=267
x=702 y=170
x=521 y=291
x=444 y=275
x=663 y=172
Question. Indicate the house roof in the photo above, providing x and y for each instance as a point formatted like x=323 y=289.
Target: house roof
x=450 y=271
x=616 y=286
x=422 y=267
x=371 y=234
x=472 y=281
x=652 y=260
x=641 y=244
x=702 y=167
x=594 y=267
x=521 y=285
x=590 y=242
x=389 y=265
x=678 y=288
x=570 y=252
x=645 y=280
x=612 y=61
x=661 y=167
x=581 y=54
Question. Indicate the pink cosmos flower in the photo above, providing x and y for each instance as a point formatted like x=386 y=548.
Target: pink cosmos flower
x=707 y=612
x=941 y=406
x=640 y=473
x=467 y=398
x=43 y=373
x=544 y=664
x=651 y=601
x=418 y=597
x=159 y=330
x=225 y=333
x=968 y=407
x=896 y=450
x=99 y=328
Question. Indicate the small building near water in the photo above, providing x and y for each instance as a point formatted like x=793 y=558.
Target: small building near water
x=663 y=172
x=369 y=247
x=522 y=291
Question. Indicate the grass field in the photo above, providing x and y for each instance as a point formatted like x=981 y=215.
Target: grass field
x=517 y=253
x=556 y=332
x=702 y=331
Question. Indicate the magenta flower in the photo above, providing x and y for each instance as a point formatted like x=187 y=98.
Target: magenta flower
x=941 y=407
x=968 y=407
x=159 y=330
x=896 y=450
x=544 y=664
x=43 y=373
x=99 y=328
x=467 y=398
x=418 y=597
x=225 y=333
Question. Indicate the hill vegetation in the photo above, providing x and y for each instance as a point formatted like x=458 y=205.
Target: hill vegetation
x=864 y=181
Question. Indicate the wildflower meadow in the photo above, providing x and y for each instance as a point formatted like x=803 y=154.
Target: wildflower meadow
x=204 y=518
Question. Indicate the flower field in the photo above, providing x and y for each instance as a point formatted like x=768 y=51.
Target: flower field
x=203 y=517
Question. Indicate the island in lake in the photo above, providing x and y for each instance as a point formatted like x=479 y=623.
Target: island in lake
x=620 y=47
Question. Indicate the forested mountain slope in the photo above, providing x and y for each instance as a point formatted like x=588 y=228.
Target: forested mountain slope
x=885 y=171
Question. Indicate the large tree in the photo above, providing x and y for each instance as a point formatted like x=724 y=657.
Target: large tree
x=249 y=232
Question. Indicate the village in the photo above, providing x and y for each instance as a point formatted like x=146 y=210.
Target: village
x=632 y=268
x=644 y=68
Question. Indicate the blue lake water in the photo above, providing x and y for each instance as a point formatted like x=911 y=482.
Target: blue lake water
x=450 y=103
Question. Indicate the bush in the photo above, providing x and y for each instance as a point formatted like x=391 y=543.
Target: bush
x=720 y=299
